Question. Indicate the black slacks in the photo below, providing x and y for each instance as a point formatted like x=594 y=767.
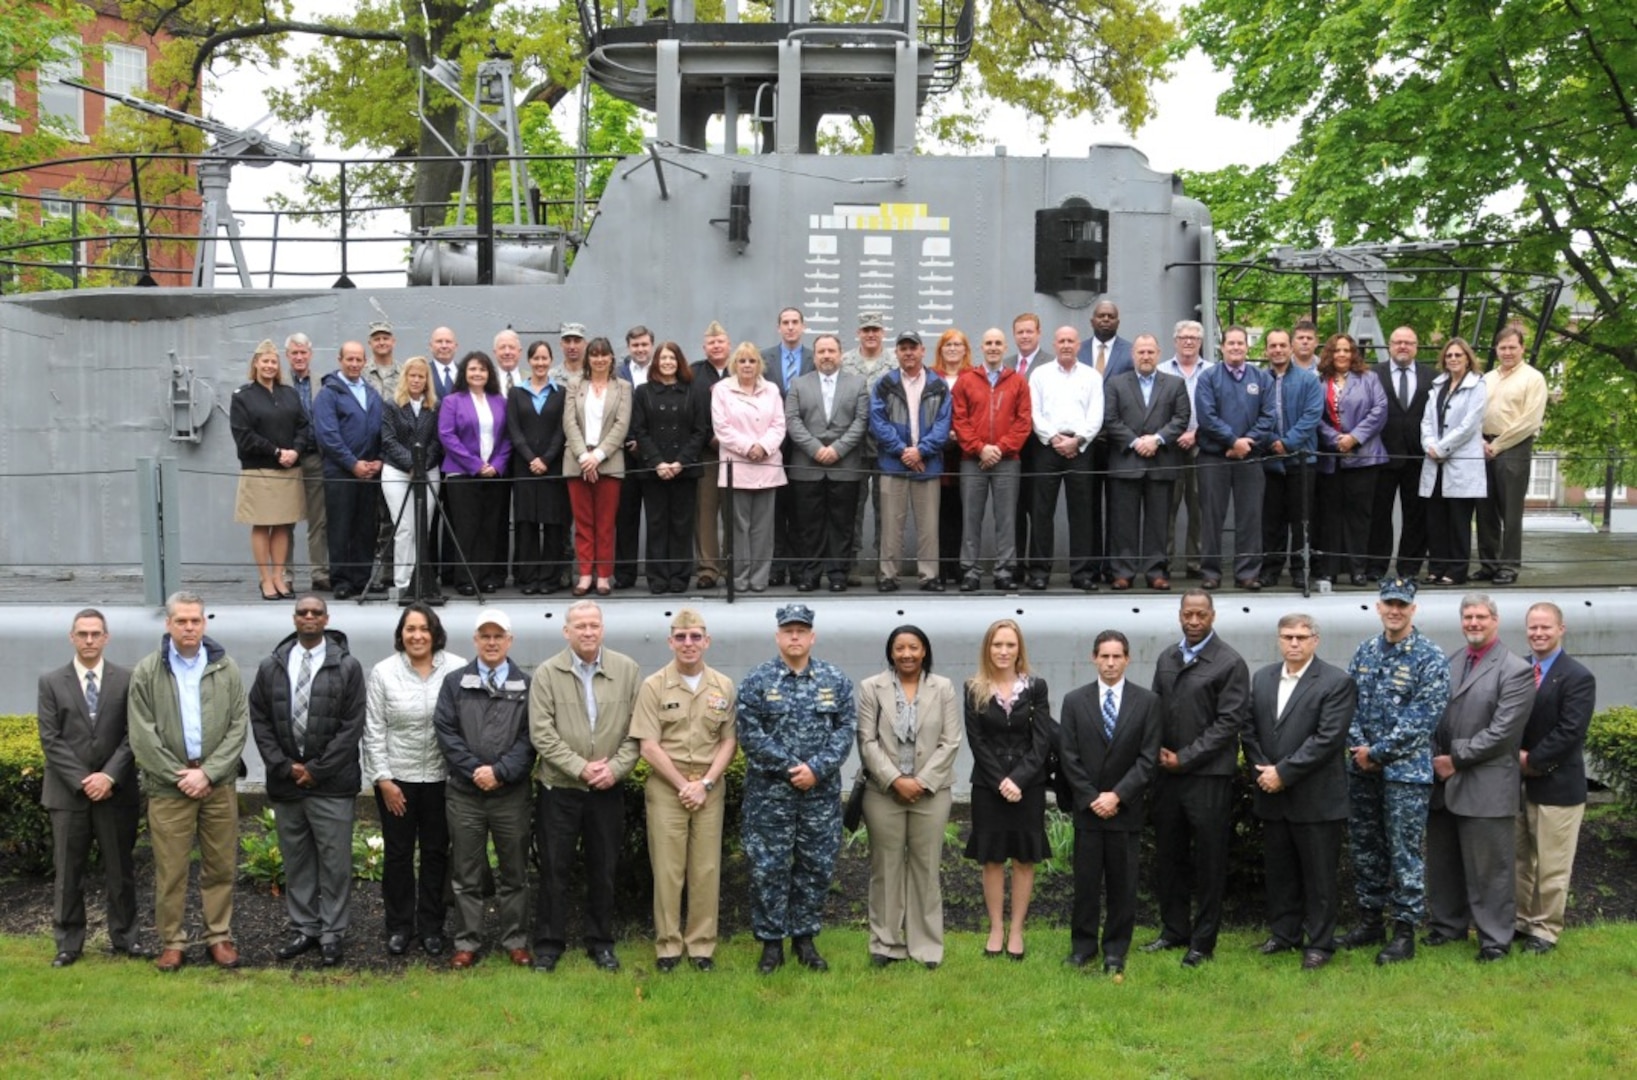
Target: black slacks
x=113 y=825
x=628 y=527
x=1104 y=857
x=1302 y=858
x=540 y=549
x=671 y=506
x=1192 y=825
x=350 y=507
x=566 y=819
x=477 y=511
x=415 y=902
x=1287 y=507
x=827 y=507
x=1399 y=481
x=1052 y=472
x=1139 y=512
x=1346 y=497
x=1449 y=533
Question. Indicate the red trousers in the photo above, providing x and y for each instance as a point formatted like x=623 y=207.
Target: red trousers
x=595 y=508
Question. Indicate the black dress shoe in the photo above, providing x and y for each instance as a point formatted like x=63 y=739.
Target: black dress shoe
x=772 y=957
x=398 y=944
x=604 y=959
x=807 y=954
x=545 y=962
x=807 y=585
x=1484 y=575
x=1004 y=581
x=704 y=963
x=531 y=589
x=658 y=588
x=344 y=591
x=971 y=583
x=1195 y=958
x=1037 y=582
x=1506 y=577
x=1368 y=932
x=1085 y=583
x=297 y=945
x=135 y=950
x=1491 y=953
x=1273 y=946
x=331 y=953
x=1314 y=959
x=1435 y=938
x=64 y=959
x=433 y=944
x=467 y=589
x=839 y=586
x=932 y=585
x=1537 y=945
x=1160 y=944
x=378 y=587
x=679 y=586
x=667 y=964
x=1113 y=967
x=778 y=578
x=887 y=584
x=1079 y=959
x=489 y=587
x=881 y=960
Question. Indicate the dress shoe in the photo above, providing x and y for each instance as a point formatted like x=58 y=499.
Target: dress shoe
x=378 y=587
x=931 y=965
x=463 y=959
x=778 y=578
x=1358 y=579
x=706 y=582
x=1160 y=584
x=170 y=960
x=1484 y=574
x=1016 y=957
x=133 y=950
x=1005 y=581
x=881 y=960
x=1037 y=582
x=623 y=582
x=704 y=963
x=1537 y=945
x=1273 y=947
x=1435 y=938
x=581 y=590
x=320 y=584
x=854 y=579
x=1314 y=959
x=1491 y=953
x=1298 y=582
x=887 y=584
x=807 y=954
x=546 y=963
x=432 y=943
x=1085 y=583
x=343 y=591
x=398 y=944
x=331 y=953
x=1402 y=946
x=1120 y=584
x=1160 y=944
x=64 y=959
x=1195 y=958
x=807 y=585
x=1211 y=583
x=520 y=957
x=1250 y=584
x=667 y=964
x=971 y=583
x=1079 y=959
x=679 y=586
x=1506 y=577
x=224 y=955
x=1367 y=932
x=1113 y=967
x=294 y=947
x=605 y=589
x=932 y=585
x=604 y=959
x=992 y=954
x=1192 y=570
x=838 y=586
x=467 y=589
x=772 y=957
x=658 y=588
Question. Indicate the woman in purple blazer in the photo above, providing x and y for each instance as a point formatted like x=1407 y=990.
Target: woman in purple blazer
x=472 y=428
x=1350 y=458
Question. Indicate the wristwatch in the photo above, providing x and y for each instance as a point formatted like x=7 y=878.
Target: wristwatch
x=710 y=785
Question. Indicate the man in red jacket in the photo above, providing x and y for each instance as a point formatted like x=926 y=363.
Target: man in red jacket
x=992 y=424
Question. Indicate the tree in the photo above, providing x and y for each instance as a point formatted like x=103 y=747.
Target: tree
x=1510 y=126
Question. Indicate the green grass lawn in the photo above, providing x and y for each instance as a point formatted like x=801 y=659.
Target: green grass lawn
x=1441 y=1016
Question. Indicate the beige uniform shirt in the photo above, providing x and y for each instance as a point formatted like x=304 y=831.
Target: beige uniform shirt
x=689 y=726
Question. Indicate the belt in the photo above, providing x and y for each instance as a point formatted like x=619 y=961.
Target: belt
x=193 y=763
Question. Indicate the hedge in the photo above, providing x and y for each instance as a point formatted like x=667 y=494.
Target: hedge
x=1611 y=742
x=25 y=827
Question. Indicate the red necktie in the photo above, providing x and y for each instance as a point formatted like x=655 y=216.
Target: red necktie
x=1537 y=673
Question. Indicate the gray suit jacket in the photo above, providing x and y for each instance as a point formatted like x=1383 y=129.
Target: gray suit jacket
x=74 y=748
x=1306 y=744
x=937 y=735
x=1481 y=730
x=1125 y=417
x=808 y=431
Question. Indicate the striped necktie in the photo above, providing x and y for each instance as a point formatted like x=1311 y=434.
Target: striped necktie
x=304 y=693
x=1108 y=714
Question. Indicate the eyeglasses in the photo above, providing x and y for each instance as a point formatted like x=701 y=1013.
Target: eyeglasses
x=1189 y=337
x=309 y=613
x=688 y=635
x=1297 y=637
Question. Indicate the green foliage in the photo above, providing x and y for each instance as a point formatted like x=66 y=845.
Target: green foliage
x=25 y=827
x=1060 y=834
x=263 y=862
x=1611 y=743
x=1593 y=412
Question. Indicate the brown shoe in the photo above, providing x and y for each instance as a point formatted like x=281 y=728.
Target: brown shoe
x=1121 y=584
x=521 y=957
x=1160 y=584
x=224 y=954
x=170 y=960
x=462 y=960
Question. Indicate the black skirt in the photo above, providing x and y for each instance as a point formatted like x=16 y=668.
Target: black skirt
x=1004 y=830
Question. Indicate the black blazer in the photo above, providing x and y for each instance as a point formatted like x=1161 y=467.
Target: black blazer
x=669 y=422
x=1306 y=744
x=1401 y=435
x=1125 y=417
x=539 y=499
x=1207 y=704
x=74 y=748
x=1125 y=766
x=402 y=428
x=1555 y=734
x=1013 y=744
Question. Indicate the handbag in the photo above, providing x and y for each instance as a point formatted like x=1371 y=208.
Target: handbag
x=852 y=816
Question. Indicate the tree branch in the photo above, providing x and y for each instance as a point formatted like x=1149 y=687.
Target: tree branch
x=208 y=45
x=1603 y=64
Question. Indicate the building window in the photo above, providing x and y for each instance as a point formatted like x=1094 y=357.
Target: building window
x=8 y=106
x=1594 y=496
x=1543 y=479
x=59 y=102
x=126 y=70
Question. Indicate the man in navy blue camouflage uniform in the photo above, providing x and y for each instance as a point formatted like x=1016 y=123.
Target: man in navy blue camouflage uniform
x=796 y=724
x=1403 y=688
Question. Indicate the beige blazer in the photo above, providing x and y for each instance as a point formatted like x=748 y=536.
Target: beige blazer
x=560 y=728
x=937 y=737
x=616 y=422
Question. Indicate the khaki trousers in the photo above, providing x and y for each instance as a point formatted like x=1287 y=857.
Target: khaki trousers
x=1547 y=837
x=684 y=847
x=906 y=899
x=173 y=823
x=711 y=520
x=900 y=498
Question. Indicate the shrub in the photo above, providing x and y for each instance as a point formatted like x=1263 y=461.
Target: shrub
x=25 y=827
x=1612 y=744
x=264 y=862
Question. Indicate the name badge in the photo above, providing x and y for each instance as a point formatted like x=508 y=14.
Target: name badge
x=471 y=682
x=1253 y=389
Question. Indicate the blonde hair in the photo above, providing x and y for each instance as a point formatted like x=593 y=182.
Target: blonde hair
x=401 y=396
x=750 y=350
x=267 y=348
x=981 y=687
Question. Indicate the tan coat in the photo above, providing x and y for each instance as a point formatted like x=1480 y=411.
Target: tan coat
x=616 y=422
x=561 y=730
x=690 y=727
x=937 y=737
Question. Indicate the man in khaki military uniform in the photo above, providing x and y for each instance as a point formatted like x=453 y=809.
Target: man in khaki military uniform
x=684 y=722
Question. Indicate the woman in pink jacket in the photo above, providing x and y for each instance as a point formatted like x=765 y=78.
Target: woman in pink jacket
x=747 y=414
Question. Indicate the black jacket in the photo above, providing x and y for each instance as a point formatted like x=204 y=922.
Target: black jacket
x=264 y=422
x=335 y=721
x=1015 y=744
x=476 y=726
x=401 y=429
x=1555 y=735
x=1125 y=766
x=1206 y=704
x=1306 y=744
x=669 y=422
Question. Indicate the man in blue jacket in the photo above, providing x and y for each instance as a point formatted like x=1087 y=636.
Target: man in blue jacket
x=910 y=415
x=1234 y=404
x=1287 y=502
x=347 y=423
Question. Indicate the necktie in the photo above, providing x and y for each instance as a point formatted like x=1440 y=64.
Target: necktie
x=1022 y=365
x=829 y=396
x=1404 y=387
x=304 y=693
x=1108 y=714
x=789 y=369
x=1102 y=357
x=91 y=690
x=494 y=681
x=1537 y=673
x=1279 y=403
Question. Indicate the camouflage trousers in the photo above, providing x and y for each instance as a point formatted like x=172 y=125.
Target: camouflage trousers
x=792 y=839
x=1387 y=826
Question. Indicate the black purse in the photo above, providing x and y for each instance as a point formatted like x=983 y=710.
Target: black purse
x=852 y=815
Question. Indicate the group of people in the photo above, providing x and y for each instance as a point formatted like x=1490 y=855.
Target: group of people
x=1477 y=756
x=1313 y=449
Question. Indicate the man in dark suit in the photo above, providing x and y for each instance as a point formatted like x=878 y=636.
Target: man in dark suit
x=89 y=789
x=1145 y=412
x=347 y=424
x=1026 y=338
x=1406 y=383
x=1552 y=760
x=1109 y=354
x=1471 y=838
x=782 y=365
x=1296 y=745
x=1204 y=686
x=634 y=369
x=825 y=415
x=1111 y=743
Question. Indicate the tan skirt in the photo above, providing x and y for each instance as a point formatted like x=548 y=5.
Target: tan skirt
x=270 y=497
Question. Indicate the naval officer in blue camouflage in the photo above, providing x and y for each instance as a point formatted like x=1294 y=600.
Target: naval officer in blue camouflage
x=1403 y=688
x=796 y=724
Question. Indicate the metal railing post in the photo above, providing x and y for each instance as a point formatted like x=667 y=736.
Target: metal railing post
x=157 y=490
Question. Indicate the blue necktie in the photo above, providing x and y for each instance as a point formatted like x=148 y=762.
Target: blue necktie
x=91 y=694
x=1108 y=715
x=790 y=364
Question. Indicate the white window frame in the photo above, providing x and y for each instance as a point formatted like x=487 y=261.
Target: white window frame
x=135 y=62
x=1544 y=483
x=47 y=84
x=8 y=94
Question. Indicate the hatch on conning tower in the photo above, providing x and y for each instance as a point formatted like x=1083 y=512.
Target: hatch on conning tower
x=783 y=75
